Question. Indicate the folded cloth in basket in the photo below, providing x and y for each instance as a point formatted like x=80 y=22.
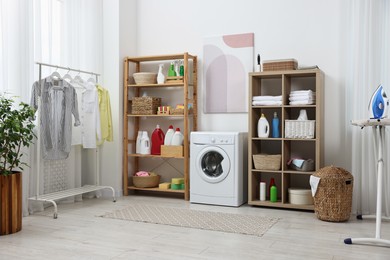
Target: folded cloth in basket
x=301 y=164
x=267 y=98
x=267 y=103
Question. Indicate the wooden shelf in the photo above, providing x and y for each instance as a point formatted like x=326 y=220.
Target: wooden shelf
x=133 y=123
x=153 y=156
x=155 y=189
x=165 y=85
x=276 y=83
x=281 y=205
x=154 y=115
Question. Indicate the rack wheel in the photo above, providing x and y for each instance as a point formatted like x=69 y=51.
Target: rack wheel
x=55 y=215
x=114 y=200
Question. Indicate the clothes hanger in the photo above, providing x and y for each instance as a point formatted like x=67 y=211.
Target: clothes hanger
x=67 y=76
x=78 y=78
x=55 y=74
x=91 y=79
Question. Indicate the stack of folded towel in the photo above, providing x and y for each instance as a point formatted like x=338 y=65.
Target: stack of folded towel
x=267 y=100
x=302 y=97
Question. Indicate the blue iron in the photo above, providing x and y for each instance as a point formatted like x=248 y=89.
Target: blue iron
x=378 y=104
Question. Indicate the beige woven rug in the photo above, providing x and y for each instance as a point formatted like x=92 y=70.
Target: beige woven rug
x=217 y=221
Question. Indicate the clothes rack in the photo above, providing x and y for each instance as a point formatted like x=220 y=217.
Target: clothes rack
x=52 y=197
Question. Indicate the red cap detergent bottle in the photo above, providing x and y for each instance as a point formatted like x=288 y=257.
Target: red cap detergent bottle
x=157 y=140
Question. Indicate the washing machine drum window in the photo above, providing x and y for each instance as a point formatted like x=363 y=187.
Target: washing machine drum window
x=212 y=164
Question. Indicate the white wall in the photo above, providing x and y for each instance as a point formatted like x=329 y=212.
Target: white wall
x=119 y=30
x=309 y=31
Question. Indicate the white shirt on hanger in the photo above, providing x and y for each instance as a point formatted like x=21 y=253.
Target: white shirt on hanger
x=88 y=100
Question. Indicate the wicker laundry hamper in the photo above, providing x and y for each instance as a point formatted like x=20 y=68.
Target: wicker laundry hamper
x=333 y=199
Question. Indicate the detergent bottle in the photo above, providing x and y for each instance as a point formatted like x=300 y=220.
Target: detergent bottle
x=275 y=126
x=138 y=142
x=157 y=140
x=262 y=127
x=145 y=143
x=177 y=138
x=160 y=75
x=171 y=70
x=169 y=135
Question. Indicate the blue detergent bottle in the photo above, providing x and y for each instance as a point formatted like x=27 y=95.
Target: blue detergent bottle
x=275 y=126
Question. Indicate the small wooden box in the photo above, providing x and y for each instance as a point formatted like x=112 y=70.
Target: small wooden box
x=172 y=150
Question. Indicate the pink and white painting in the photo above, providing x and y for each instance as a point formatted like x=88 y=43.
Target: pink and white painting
x=227 y=60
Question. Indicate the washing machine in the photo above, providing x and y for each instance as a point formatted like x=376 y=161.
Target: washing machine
x=218 y=172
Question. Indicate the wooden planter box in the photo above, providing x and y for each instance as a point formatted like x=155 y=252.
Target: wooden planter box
x=11 y=203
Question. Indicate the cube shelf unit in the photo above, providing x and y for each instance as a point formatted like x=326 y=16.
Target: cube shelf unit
x=275 y=83
x=132 y=122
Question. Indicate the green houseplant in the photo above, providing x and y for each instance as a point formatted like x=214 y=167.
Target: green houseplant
x=16 y=132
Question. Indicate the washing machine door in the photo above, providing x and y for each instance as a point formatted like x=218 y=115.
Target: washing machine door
x=213 y=164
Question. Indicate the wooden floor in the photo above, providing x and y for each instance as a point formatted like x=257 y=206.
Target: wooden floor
x=79 y=233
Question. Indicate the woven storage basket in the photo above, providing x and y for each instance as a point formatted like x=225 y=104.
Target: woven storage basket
x=145 y=78
x=333 y=199
x=299 y=129
x=145 y=105
x=146 y=181
x=272 y=65
x=267 y=161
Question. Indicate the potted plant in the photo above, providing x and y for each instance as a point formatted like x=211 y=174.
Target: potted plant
x=16 y=132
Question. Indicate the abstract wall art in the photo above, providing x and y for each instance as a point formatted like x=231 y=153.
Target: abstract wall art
x=227 y=60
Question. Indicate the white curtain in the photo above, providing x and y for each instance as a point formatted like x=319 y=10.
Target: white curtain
x=65 y=33
x=368 y=65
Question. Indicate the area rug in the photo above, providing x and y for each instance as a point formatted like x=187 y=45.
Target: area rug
x=189 y=218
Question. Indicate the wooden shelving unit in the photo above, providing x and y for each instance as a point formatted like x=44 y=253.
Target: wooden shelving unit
x=275 y=83
x=132 y=123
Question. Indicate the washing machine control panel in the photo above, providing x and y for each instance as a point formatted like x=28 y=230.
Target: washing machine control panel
x=213 y=139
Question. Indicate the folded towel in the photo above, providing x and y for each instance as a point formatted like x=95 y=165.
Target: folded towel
x=303 y=94
x=300 y=92
x=302 y=102
x=299 y=98
x=267 y=103
x=267 y=98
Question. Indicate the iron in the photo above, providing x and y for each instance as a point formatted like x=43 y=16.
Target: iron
x=379 y=104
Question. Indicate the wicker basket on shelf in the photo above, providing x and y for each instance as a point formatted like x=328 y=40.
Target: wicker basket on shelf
x=145 y=105
x=267 y=161
x=146 y=181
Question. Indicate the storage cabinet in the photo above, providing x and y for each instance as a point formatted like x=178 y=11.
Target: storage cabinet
x=306 y=146
x=185 y=91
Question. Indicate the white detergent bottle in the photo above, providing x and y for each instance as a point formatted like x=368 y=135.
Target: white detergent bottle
x=262 y=127
x=145 y=143
x=138 y=142
x=177 y=138
x=169 y=135
x=160 y=75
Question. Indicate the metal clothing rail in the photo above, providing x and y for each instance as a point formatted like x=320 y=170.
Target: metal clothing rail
x=52 y=197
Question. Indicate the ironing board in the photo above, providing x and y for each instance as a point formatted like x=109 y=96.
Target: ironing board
x=378 y=126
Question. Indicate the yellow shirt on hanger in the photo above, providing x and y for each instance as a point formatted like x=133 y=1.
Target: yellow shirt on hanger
x=105 y=115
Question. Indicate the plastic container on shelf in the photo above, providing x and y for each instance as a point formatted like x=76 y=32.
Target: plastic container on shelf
x=275 y=126
x=145 y=143
x=157 y=140
x=169 y=135
x=177 y=138
x=262 y=127
x=274 y=194
x=138 y=142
